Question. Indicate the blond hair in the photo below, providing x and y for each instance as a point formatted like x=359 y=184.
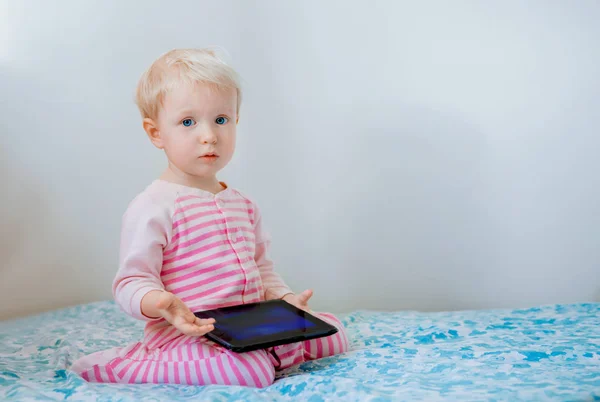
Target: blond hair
x=183 y=66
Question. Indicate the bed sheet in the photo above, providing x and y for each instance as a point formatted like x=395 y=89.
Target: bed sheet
x=542 y=353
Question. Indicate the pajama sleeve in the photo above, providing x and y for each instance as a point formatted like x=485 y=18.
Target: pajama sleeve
x=275 y=287
x=145 y=232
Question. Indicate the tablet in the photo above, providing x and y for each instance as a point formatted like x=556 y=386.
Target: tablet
x=262 y=325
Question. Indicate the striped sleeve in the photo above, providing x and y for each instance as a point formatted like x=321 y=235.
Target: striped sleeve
x=145 y=231
x=275 y=287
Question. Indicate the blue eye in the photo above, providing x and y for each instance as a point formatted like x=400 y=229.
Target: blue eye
x=221 y=120
x=188 y=122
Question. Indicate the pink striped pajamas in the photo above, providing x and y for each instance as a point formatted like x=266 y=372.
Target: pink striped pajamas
x=210 y=251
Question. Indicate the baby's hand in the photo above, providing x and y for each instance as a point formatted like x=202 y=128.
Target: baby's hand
x=172 y=309
x=300 y=301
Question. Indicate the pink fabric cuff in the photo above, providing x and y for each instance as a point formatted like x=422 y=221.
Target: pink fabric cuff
x=135 y=307
x=277 y=293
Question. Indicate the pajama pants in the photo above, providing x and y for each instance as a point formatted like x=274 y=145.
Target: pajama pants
x=199 y=361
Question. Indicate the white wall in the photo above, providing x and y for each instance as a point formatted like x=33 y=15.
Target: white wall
x=426 y=155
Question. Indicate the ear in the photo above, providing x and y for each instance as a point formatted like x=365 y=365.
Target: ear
x=151 y=128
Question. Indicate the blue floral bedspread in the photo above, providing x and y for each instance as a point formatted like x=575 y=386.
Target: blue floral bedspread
x=545 y=353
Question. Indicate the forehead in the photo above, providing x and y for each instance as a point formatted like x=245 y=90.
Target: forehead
x=200 y=97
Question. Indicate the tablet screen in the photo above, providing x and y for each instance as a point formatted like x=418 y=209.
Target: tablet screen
x=252 y=323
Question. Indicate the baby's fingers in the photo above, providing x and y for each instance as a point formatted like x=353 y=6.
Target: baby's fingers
x=204 y=325
x=204 y=321
x=195 y=329
x=198 y=327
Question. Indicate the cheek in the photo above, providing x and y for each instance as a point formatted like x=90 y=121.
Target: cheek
x=230 y=147
x=230 y=141
x=179 y=146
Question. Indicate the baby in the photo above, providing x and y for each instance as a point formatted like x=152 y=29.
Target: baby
x=191 y=243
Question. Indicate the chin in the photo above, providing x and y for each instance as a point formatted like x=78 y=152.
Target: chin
x=206 y=172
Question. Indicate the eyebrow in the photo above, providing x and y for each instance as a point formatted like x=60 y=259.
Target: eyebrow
x=191 y=111
x=185 y=111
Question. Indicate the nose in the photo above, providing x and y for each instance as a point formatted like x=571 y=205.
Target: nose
x=207 y=136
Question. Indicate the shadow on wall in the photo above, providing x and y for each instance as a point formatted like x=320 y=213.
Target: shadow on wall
x=25 y=274
x=21 y=216
x=36 y=248
x=42 y=258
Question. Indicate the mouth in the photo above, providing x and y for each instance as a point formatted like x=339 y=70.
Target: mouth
x=210 y=156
